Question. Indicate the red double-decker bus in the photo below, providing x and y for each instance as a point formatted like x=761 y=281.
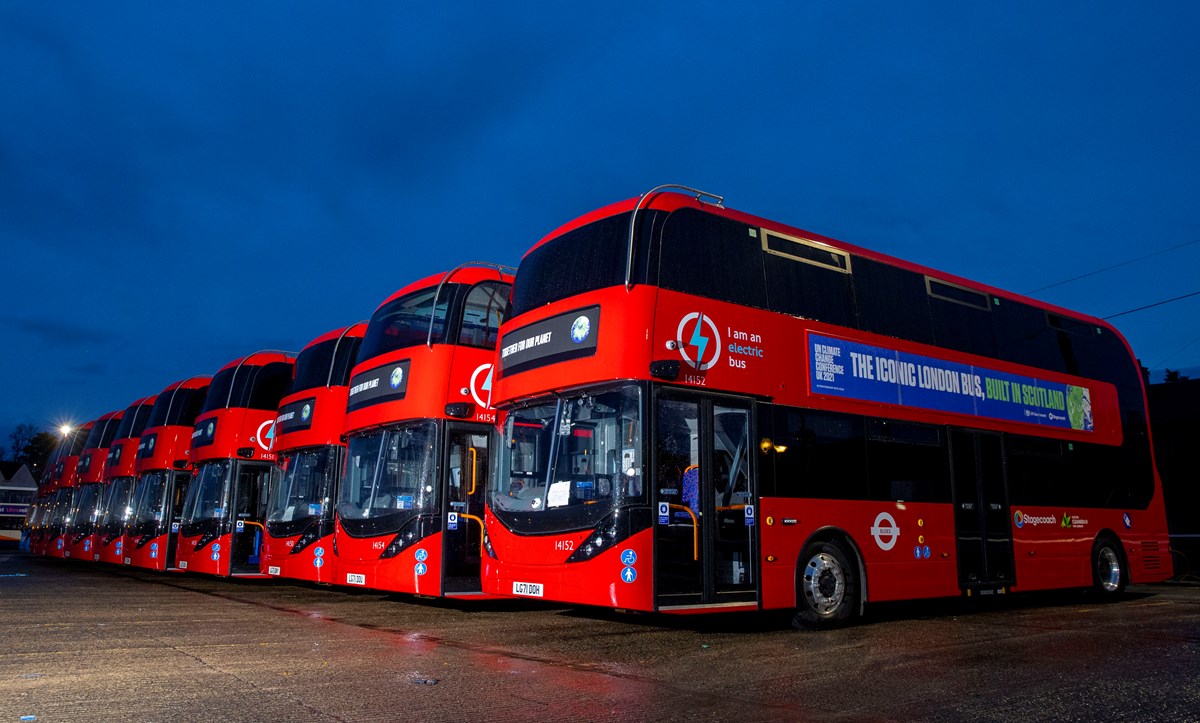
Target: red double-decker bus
x=308 y=440
x=43 y=503
x=418 y=416
x=221 y=529
x=120 y=477
x=62 y=482
x=89 y=472
x=164 y=471
x=705 y=410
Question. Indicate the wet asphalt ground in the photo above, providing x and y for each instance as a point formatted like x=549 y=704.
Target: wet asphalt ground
x=84 y=643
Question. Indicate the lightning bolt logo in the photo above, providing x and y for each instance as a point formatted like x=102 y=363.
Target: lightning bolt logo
x=699 y=340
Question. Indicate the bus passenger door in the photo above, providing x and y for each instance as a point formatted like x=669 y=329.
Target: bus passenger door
x=704 y=502
x=175 y=496
x=462 y=519
x=983 y=527
x=249 y=510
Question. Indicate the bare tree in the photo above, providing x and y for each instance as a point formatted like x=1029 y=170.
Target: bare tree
x=21 y=437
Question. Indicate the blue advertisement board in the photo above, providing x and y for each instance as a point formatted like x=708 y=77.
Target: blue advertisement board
x=847 y=369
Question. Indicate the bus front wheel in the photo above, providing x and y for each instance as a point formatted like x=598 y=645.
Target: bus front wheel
x=1108 y=569
x=828 y=587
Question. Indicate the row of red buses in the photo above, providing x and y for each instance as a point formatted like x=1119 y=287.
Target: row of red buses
x=120 y=472
x=674 y=407
x=308 y=441
x=60 y=486
x=80 y=522
x=705 y=410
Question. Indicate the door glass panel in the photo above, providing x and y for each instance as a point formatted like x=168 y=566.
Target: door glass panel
x=983 y=527
x=468 y=471
x=677 y=478
x=995 y=510
x=967 y=520
x=732 y=499
x=250 y=510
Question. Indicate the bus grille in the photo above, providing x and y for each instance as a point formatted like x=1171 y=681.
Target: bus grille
x=1151 y=556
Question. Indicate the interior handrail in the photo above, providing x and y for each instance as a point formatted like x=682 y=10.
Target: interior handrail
x=695 y=529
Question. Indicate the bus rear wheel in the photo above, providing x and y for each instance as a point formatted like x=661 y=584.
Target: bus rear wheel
x=828 y=587
x=1108 y=569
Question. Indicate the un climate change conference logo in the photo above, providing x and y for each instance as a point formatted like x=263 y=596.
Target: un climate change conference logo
x=698 y=331
x=397 y=377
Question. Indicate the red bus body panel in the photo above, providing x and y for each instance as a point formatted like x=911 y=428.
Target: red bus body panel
x=328 y=418
x=121 y=461
x=238 y=434
x=165 y=448
x=90 y=471
x=439 y=375
x=235 y=429
x=325 y=410
x=65 y=476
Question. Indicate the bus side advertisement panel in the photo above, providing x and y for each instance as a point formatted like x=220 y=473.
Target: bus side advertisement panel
x=847 y=369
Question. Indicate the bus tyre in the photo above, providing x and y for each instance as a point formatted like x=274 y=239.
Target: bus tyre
x=1108 y=569
x=828 y=587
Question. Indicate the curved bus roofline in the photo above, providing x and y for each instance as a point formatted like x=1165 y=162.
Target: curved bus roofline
x=700 y=196
x=501 y=269
x=242 y=361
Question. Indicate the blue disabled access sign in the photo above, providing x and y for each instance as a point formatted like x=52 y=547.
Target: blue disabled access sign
x=850 y=370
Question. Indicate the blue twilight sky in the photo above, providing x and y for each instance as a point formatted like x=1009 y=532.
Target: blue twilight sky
x=182 y=183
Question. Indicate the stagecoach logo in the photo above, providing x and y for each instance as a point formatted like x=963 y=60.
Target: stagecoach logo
x=1020 y=519
x=580 y=329
x=699 y=332
x=306 y=412
x=885 y=531
x=397 y=377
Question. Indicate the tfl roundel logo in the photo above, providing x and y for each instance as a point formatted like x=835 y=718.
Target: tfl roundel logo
x=885 y=531
x=698 y=341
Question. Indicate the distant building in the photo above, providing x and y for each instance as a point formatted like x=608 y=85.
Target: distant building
x=17 y=487
x=1175 y=427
